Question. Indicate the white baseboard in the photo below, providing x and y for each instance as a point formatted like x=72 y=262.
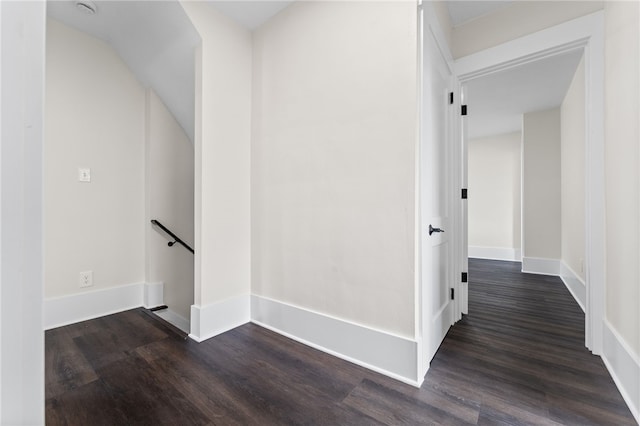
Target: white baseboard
x=388 y=354
x=536 y=265
x=624 y=367
x=153 y=295
x=495 y=253
x=175 y=319
x=210 y=320
x=65 y=310
x=574 y=284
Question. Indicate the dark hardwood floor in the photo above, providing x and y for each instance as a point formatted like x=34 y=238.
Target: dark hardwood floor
x=517 y=358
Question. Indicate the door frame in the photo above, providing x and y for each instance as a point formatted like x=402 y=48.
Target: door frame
x=585 y=33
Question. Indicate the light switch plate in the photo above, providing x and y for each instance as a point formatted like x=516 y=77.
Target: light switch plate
x=84 y=175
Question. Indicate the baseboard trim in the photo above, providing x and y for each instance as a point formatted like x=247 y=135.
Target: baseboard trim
x=175 y=319
x=210 y=320
x=624 y=367
x=65 y=310
x=574 y=284
x=540 y=266
x=495 y=253
x=385 y=353
x=153 y=294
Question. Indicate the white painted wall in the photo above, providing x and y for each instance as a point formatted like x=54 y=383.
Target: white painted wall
x=22 y=50
x=95 y=119
x=169 y=190
x=515 y=20
x=622 y=166
x=572 y=154
x=223 y=161
x=333 y=161
x=541 y=218
x=494 y=192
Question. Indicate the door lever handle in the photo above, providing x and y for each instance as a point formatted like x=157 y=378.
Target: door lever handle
x=432 y=230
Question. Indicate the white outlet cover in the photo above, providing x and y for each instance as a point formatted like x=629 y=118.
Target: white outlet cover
x=85 y=279
x=84 y=174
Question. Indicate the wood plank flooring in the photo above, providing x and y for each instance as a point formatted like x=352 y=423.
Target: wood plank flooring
x=517 y=358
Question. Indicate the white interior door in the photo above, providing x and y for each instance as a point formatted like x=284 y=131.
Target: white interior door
x=436 y=197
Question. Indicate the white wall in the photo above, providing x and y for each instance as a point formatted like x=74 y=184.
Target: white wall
x=169 y=191
x=572 y=154
x=494 y=200
x=94 y=118
x=515 y=20
x=333 y=161
x=622 y=166
x=223 y=160
x=621 y=351
x=22 y=50
x=541 y=219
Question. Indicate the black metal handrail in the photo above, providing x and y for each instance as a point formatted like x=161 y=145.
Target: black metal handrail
x=174 y=236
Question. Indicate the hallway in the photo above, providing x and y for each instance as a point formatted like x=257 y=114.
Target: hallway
x=520 y=354
x=518 y=358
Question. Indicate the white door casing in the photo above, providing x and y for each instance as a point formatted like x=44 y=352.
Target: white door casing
x=581 y=33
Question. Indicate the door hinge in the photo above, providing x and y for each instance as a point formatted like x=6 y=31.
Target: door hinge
x=450 y=98
x=464 y=193
x=453 y=294
x=463 y=109
x=465 y=277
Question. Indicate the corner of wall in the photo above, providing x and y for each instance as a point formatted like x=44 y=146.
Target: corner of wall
x=153 y=295
x=223 y=161
x=214 y=319
x=540 y=266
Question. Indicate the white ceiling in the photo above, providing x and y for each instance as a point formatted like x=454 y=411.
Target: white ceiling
x=154 y=38
x=250 y=14
x=465 y=11
x=253 y=13
x=496 y=102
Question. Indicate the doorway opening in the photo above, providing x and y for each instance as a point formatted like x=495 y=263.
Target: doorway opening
x=567 y=42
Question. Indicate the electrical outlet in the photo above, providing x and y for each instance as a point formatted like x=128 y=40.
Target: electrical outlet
x=84 y=175
x=86 y=279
